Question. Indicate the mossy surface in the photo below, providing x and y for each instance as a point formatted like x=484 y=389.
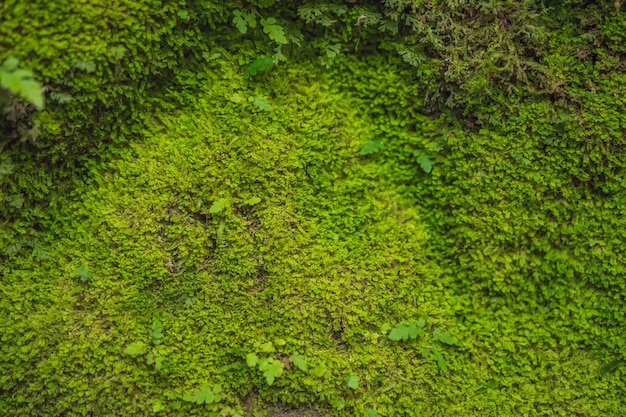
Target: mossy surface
x=244 y=216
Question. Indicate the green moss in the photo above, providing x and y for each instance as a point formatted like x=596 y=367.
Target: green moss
x=512 y=244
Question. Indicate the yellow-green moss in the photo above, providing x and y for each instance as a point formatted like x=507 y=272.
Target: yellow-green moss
x=513 y=244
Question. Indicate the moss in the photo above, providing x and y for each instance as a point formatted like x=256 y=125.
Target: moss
x=513 y=244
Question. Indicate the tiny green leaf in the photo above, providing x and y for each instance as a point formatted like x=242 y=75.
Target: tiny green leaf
x=156 y=332
x=440 y=361
x=267 y=347
x=299 y=361
x=610 y=367
x=118 y=52
x=484 y=388
x=259 y=65
x=16 y=200
x=250 y=20
x=445 y=338
x=271 y=369
x=260 y=103
x=10 y=63
x=252 y=201
x=396 y=334
x=372 y=146
x=405 y=330
x=237 y=98
x=183 y=14
x=84 y=274
x=240 y=22
x=157 y=406
x=87 y=66
x=399 y=332
x=202 y=394
x=21 y=82
x=352 y=381
x=320 y=370
x=252 y=360
x=61 y=98
x=135 y=349
x=218 y=205
x=32 y=91
x=423 y=160
x=274 y=31
x=154 y=359
x=338 y=403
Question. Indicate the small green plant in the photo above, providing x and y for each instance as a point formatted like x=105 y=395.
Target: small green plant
x=243 y=21
x=372 y=146
x=157 y=406
x=338 y=403
x=152 y=356
x=423 y=160
x=213 y=399
x=87 y=66
x=410 y=329
x=252 y=201
x=490 y=384
x=271 y=368
x=190 y=300
x=260 y=103
x=352 y=381
x=84 y=274
x=274 y=31
x=218 y=206
x=299 y=361
x=135 y=349
x=439 y=359
x=15 y=200
x=21 y=82
x=407 y=329
x=610 y=367
x=259 y=65
x=320 y=370
x=61 y=98
x=154 y=359
x=436 y=349
x=156 y=332
x=443 y=336
x=205 y=395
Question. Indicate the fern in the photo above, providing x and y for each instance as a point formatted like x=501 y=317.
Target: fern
x=274 y=31
x=259 y=65
x=21 y=82
x=243 y=21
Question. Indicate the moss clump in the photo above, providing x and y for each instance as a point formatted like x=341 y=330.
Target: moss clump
x=243 y=216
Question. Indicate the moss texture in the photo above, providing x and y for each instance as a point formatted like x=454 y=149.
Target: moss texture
x=244 y=216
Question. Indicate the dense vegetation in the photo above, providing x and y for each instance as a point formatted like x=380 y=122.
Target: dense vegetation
x=349 y=208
